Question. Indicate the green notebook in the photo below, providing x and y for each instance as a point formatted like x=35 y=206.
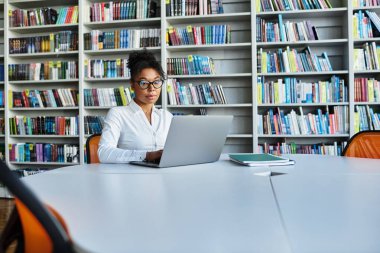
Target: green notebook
x=250 y=159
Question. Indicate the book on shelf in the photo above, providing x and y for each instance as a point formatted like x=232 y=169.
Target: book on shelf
x=124 y=38
x=43 y=98
x=93 y=124
x=43 y=16
x=191 y=65
x=198 y=35
x=362 y=26
x=366 y=119
x=291 y=5
x=365 y=3
x=367 y=57
x=43 y=152
x=180 y=94
x=193 y=7
x=366 y=90
x=268 y=31
x=44 y=125
x=375 y=21
x=260 y=160
x=54 y=42
x=335 y=148
x=108 y=96
x=290 y=90
x=99 y=68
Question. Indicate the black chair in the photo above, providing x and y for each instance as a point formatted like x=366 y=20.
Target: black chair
x=15 y=228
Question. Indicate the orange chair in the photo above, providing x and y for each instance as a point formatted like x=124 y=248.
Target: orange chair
x=364 y=144
x=36 y=228
x=92 y=144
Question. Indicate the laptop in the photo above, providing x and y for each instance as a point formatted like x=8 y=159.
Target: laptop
x=193 y=140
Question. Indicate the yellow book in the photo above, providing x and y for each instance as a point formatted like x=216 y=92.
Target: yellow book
x=122 y=95
x=371 y=94
x=356 y=121
x=355 y=27
x=10 y=98
x=258 y=6
x=276 y=93
x=323 y=92
x=259 y=93
x=264 y=62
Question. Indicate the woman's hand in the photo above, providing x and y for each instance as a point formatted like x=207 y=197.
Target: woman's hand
x=154 y=156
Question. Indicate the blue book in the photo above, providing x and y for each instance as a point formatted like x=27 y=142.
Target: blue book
x=281 y=28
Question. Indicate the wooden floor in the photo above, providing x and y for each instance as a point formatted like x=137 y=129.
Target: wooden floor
x=6 y=206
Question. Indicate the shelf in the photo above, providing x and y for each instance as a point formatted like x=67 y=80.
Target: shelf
x=361 y=41
x=98 y=107
x=211 y=76
x=366 y=8
x=209 y=105
x=45 y=136
x=45 y=109
x=336 y=42
x=366 y=103
x=305 y=136
x=227 y=17
x=40 y=3
x=334 y=12
x=115 y=79
x=43 y=163
x=47 y=54
x=44 y=81
x=232 y=136
x=119 y=51
x=2 y=109
x=215 y=47
x=1 y=82
x=303 y=104
x=367 y=72
x=2 y=135
x=322 y=73
x=43 y=28
x=124 y=23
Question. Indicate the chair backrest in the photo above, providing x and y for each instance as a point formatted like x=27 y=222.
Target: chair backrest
x=364 y=144
x=92 y=144
x=51 y=236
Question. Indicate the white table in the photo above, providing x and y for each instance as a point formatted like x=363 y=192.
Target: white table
x=219 y=207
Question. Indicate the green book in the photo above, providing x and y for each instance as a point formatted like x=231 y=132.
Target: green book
x=250 y=159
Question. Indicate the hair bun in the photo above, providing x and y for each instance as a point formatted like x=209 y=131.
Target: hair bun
x=138 y=56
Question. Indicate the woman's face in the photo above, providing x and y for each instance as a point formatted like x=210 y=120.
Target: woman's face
x=146 y=93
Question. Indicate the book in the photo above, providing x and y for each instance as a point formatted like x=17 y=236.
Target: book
x=258 y=160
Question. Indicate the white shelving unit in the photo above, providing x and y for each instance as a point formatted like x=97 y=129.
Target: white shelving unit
x=235 y=63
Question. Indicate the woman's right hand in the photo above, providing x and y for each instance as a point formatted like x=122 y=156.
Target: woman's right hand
x=154 y=156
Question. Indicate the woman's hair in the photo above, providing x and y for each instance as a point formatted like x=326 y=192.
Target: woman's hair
x=139 y=60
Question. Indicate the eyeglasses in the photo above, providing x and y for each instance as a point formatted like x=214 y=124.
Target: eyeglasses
x=145 y=84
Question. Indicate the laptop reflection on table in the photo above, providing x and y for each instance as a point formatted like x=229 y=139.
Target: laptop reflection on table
x=193 y=140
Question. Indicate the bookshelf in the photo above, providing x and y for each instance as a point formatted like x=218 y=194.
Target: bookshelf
x=235 y=65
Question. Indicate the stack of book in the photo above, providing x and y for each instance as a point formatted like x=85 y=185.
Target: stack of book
x=260 y=160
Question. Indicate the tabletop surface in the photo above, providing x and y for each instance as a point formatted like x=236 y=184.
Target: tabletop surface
x=320 y=204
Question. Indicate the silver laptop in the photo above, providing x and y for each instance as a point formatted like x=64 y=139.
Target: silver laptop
x=193 y=140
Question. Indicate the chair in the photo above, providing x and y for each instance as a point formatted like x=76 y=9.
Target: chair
x=36 y=227
x=364 y=144
x=92 y=144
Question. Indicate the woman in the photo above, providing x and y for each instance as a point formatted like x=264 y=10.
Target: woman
x=137 y=131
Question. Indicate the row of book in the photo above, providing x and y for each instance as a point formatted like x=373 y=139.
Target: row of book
x=2 y=98
x=54 y=42
x=366 y=90
x=279 y=123
x=109 y=11
x=199 y=35
x=108 y=96
x=290 y=60
x=192 y=65
x=43 y=16
x=367 y=57
x=43 y=98
x=43 y=152
x=193 y=7
x=44 y=125
x=180 y=94
x=290 y=90
x=93 y=124
x=99 y=68
x=366 y=119
x=335 y=148
x=2 y=127
x=362 y=26
x=125 y=38
x=365 y=3
x=267 y=31
x=291 y=5
x=49 y=70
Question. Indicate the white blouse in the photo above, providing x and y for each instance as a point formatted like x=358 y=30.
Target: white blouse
x=127 y=134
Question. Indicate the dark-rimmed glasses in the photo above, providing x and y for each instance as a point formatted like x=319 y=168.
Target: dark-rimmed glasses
x=144 y=84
